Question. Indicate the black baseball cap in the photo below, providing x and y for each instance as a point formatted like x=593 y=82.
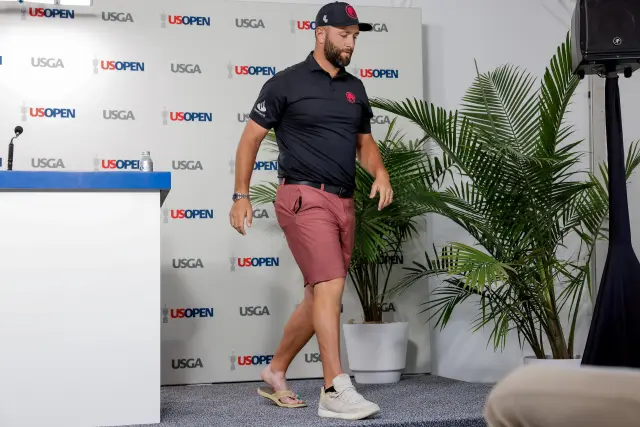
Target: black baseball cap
x=340 y=14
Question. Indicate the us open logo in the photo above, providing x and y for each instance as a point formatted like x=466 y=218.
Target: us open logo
x=184 y=20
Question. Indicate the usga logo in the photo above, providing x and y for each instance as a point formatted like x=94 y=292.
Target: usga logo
x=185 y=116
x=260 y=213
x=41 y=12
x=190 y=165
x=186 y=363
x=187 y=263
x=258 y=310
x=47 y=62
x=380 y=120
x=118 y=115
x=117 y=17
x=254 y=262
x=186 y=214
x=185 y=20
x=185 y=68
x=380 y=27
x=249 y=23
x=388 y=307
x=44 y=163
x=250 y=70
x=248 y=360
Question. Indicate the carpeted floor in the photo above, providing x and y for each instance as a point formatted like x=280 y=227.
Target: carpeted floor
x=416 y=401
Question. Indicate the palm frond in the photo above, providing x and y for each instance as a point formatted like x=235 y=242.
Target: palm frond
x=514 y=184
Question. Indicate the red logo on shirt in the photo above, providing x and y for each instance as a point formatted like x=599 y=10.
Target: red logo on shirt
x=351 y=12
x=351 y=97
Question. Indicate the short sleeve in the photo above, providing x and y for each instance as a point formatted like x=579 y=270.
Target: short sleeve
x=269 y=108
x=367 y=114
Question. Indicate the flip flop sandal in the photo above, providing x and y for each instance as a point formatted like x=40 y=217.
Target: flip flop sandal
x=275 y=397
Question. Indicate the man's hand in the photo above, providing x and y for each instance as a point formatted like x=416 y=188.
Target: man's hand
x=383 y=186
x=240 y=210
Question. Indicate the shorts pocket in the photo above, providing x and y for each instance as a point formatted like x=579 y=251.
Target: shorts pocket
x=289 y=199
x=297 y=204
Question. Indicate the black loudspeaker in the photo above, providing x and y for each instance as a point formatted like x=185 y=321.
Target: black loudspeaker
x=605 y=37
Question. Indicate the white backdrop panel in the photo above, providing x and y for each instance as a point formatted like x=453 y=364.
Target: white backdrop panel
x=220 y=321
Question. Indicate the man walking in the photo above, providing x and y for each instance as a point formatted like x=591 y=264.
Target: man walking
x=321 y=117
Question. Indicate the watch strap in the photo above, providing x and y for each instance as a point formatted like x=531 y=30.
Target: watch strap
x=237 y=196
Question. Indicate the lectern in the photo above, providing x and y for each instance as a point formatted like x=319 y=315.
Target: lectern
x=80 y=298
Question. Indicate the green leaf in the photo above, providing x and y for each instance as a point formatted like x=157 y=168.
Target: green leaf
x=508 y=171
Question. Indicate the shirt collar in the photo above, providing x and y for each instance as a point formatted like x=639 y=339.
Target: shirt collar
x=314 y=66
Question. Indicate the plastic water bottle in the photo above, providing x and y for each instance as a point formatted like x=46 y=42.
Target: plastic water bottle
x=146 y=164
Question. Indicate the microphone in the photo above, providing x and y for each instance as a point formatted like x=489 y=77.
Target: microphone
x=18 y=131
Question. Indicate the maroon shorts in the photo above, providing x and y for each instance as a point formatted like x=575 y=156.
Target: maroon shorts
x=319 y=227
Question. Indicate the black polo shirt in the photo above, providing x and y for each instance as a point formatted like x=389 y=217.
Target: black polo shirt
x=316 y=120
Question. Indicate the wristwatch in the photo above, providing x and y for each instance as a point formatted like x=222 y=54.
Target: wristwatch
x=237 y=196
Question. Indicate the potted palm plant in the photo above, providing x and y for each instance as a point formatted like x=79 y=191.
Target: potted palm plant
x=521 y=195
x=379 y=236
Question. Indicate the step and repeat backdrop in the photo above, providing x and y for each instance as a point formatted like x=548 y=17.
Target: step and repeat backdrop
x=94 y=87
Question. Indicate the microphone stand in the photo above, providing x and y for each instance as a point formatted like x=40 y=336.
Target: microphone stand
x=10 y=159
x=18 y=131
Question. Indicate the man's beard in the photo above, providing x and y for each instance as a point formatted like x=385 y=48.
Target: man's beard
x=333 y=55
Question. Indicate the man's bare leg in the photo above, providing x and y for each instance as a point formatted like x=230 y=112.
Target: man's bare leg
x=339 y=399
x=297 y=333
x=326 y=322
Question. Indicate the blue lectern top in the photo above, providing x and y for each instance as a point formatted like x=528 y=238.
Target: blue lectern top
x=97 y=181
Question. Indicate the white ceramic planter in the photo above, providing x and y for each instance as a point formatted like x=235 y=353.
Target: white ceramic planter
x=576 y=362
x=377 y=352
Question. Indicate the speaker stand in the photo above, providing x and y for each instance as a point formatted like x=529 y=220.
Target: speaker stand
x=614 y=335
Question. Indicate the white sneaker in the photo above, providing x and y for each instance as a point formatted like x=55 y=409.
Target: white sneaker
x=345 y=403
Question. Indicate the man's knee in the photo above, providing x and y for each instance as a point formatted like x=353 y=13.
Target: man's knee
x=330 y=286
x=329 y=290
x=308 y=293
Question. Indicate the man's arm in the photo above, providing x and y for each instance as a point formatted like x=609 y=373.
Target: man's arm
x=370 y=158
x=266 y=113
x=369 y=155
x=366 y=148
x=246 y=154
